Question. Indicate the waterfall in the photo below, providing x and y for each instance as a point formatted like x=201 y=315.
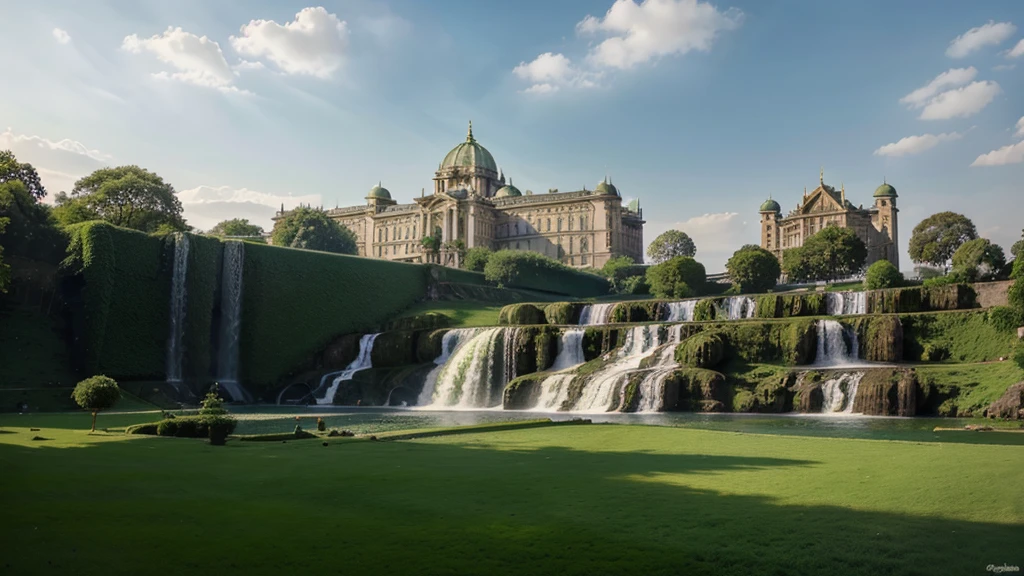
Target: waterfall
x=362 y=362
x=175 y=347
x=475 y=374
x=231 y=321
x=681 y=311
x=833 y=349
x=846 y=303
x=449 y=342
x=554 y=390
x=739 y=307
x=652 y=387
x=602 y=386
x=509 y=339
x=570 y=350
x=839 y=392
x=594 y=314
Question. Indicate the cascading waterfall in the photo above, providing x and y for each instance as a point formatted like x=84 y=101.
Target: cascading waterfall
x=570 y=350
x=449 y=342
x=839 y=392
x=175 y=347
x=833 y=349
x=846 y=303
x=231 y=321
x=652 y=387
x=681 y=311
x=362 y=362
x=595 y=314
x=554 y=390
x=475 y=374
x=739 y=307
x=602 y=386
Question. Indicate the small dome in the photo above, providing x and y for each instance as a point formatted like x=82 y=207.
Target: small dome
x=507 y=191
x=634 y=205
x=771 y=206
x=469 y=154
x=885 y=191
x=379 y=192
x=606 y=187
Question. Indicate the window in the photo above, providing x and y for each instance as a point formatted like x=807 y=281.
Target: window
x=570 y=223
x=570 y=245
x=583 y=222
x=559 y=224
x=583 y=260
x=516 y=229
x=549 y=224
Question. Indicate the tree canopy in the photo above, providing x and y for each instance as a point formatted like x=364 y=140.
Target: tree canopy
x=671 y=244
x=11 y=169
x=31 y=232
x=978 y=259
x=96 y=394
x=678 y=277
x=236 y=227
x=936 y=238
x=476 y=258
x=126 y=196
x=831 y=254
x=882 y=274
x=312 y=229
x=1018 y=247
x=753 y=269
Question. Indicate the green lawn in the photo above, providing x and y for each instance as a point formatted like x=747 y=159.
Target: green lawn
x=563 y=500
x=462 y=313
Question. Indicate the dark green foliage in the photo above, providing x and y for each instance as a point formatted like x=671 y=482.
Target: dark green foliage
x=617 y=267
x=195 y=426
x=921 y=299
x=563 y=313
x=702 y=350
x=753 y=270
x=936 y=238
x=236 y=227
x=978 y=259
x=125 y=196
x=428 y=345
x=1018 y=355
x=425 y=321
x=639 y=311
x=671 y=244
x=476 y=258
x=704 y=311
x=679 y=277
x=96 y=394
x=791 y=343
x=149 y=428
x=882 y=274
x=830 y=254
x=1006 y=318
x=202 y=285
x=1017 y=250
x=532 y=271
x=769 y=306
x=964 y=336
x=11 y=169
x=27 y=227
x=934 y=352
x=444 y=274
x=212 y=405
x=695 y=390
x=312 y=229
x=633 y=285
x=598 y=341
x=521 y=314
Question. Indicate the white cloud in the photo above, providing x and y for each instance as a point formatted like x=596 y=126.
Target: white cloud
x=974 y=39
x=654 y=28
x=915 y=144
x=550 y=72
x=205 y=206
x=59 y=162
x=8 y=139
x=1020 y=128
x=198 y=60
x=961 y=102
x=948 y=79
x=1012 y=154
x=248 y=65
x=313 y=44
x=1017 y=51
x=61 y=36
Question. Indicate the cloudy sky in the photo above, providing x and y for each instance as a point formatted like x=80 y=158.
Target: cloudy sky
x=700 y=109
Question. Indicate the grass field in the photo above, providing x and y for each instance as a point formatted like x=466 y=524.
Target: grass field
x=462 y=313
x=599 y=499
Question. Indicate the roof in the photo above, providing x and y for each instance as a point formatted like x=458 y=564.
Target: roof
x=469 y=154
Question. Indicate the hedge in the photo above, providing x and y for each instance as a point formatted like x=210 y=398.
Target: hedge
x=532 y=271
x=521 y=314
x=202 y=281
x=192 y=426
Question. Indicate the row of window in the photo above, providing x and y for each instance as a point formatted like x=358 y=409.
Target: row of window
x=395 y=233
x=527 y=228
x=400 y=250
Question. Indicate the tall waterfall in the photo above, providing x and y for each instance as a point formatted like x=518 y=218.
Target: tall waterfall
x=833 y=348
x=475 y=373
x=846 y=303
x=451 y=340
x=839 y=392
x=570 y=350
x=554 y=390
x=681 y=311
x=739 y=307
x=362 y=362
x=602 y=386
x=652 y=387
x=231 y=321
x=594 y=314
x=175 y=347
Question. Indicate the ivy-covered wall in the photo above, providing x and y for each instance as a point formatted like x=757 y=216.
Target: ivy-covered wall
x=202 y=285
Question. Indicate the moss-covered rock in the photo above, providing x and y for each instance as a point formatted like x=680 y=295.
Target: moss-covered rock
x=704 y=310
x=639 y=311
x=880 y=338
x=694 y=390
x=774 y=393
x=887 y=392
x=811 y=304
x=340 y=352
x=428 y=345
x=523 y=392
x=1010 y=405
x=792 y=342
x=563 y=312
x=391 y=349
x=769 y=306
x=702 y=350
x=599 y=341
x=959 y=336
x=521 y=314
x=807 y=395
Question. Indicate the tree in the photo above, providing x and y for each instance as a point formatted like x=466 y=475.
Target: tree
x=936 y=238
x=753 y=269
x=679 y=277
x=236 y=227
x=671 y=244
x=830 y=254
x=795 y=266
x=978 y=259
x=126 y=196
x=476 y=258
x=312 y=229
x=31 y=232
x=1017 y=250
x=96 y=394
x=617 y=266
x=11 y=169
x=882 y=274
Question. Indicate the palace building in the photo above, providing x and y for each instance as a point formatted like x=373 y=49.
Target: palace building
x=825 y=206
x=473 y=205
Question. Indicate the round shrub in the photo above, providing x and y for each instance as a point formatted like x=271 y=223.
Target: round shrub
x=520 y=314
x=702 y=350
x=476 y=258
x=679 y=277
x=96 y=394
x=882 y=274
x=753 y=270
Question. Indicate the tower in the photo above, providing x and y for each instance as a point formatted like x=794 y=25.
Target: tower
x=770 y=211
x=887 y=221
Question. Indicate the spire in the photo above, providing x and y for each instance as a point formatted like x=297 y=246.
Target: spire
x=282 y=207
x=842 y=186
x=821 y=176
x=469 y=134
x=509 y=180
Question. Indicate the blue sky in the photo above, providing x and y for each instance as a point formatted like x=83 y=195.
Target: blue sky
x=701 y=109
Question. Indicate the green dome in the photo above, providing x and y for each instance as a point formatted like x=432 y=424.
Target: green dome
x=885 y=191
x=507 y=191
x=468 y=154
x=379 y=192
x=770 y=206
x=606 y=187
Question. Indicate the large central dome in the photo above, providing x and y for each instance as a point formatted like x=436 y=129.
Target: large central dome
x=469 y=154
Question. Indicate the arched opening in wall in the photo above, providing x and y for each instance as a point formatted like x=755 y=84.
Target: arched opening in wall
x=401 y=396
x=297 y=393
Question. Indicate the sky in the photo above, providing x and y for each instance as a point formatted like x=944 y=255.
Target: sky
x=702 y=110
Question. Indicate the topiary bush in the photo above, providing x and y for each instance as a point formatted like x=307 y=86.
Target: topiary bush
x=562 y=313
x=882 y=274
x=679 y=277
x=521 y=314
x=702 y=350
x=96 y=394
x=640 y=311
x=195 y=426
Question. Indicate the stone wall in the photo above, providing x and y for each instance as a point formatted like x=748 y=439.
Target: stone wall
x=991 y=294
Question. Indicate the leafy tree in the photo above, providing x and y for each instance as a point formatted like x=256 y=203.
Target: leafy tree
x=978 y=259
x=616 y=265
x=753 y=269
x=882 y=274
x=678 y=277
x=11 y=169
x=126 y=196
x=671 y=244
x=31 y=232
x=505 y=267
x=830 y=254
x=936 y=238
x=1017 y=250
x=795 y=266
x=236 y=227
x=212 y=404
x=476 y=258
x=312 y=229
x=96 y=394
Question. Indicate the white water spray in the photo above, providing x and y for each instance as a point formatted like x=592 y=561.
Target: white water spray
x=839 y=392
x=595 y=314
x=602 y=386
x=231 y=321
x=681 y=311
x=362 y=362
x=833 y=348
x=175 y=346
x=739 y=307
x=846 y=303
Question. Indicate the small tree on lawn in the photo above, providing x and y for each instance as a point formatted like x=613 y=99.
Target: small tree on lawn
x=96 y=394
x=212 y=405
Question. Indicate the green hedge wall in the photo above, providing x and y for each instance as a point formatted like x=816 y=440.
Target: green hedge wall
x=202 y=281
x=295 y=301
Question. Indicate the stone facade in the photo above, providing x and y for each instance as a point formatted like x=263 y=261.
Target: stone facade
x=825 y=206
x=472 y=205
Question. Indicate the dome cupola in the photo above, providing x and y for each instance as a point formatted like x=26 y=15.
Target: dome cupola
x=508 y=191
x=469 y=154
x=771 y=206
x=885 y=191
x=606 y=187
x=378 y=192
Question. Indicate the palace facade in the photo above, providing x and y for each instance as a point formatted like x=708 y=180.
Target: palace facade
x=472 y=205
x=825 y=206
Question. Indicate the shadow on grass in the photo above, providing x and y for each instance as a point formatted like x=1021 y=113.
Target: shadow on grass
x=448 y=508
